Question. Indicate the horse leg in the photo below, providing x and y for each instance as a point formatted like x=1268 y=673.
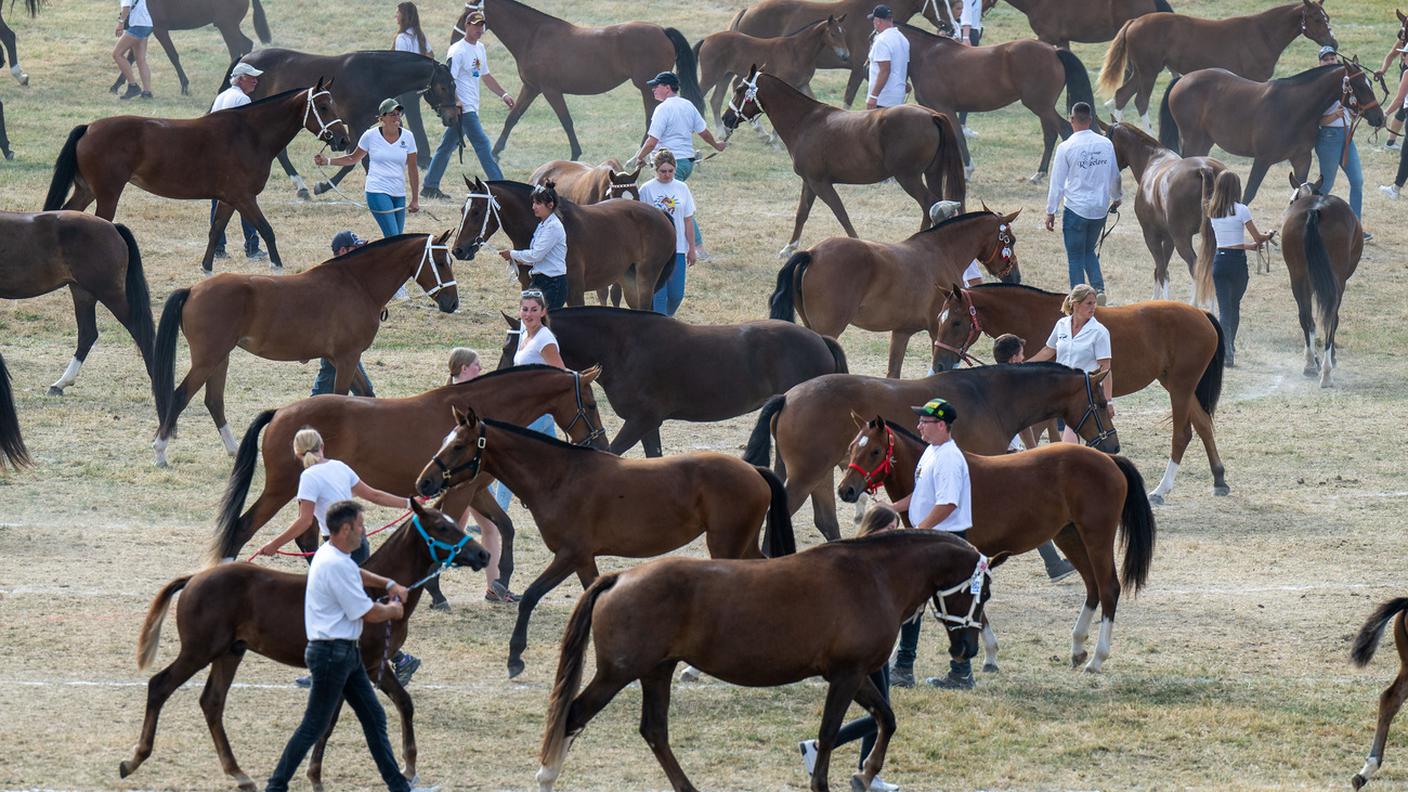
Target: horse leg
x=913 y=184
x=1184 y=246
x=853 y=84
x=526 y=95
x=236 y=42
x=7 y=38
x=870 y=698
x=294 y=176
x=215 y=404
x=989 y=645
x=899 y=344
x=559 y=106
x=839 y=695
x=1300 y=289
x=824 y=509
x=250 y=211
x=218 y=224
x=405 y=709
x=633 y=431
x=1100 y=556
x=1182 y=435
x=195 y=379
x=593 y=698
x=655 y=723
x=1259 y=169
x=212 y=703
x=164 y=36
x=1070 y=543
x=1390 y=702
x=828 y=195
x=1156 y=241
x=277 y=493
x=1147 y=78
x=1202 y=424
x=159 y=689
x=804 y=208
x=484 y=503
x=85 y=311
x=562 y=565
x=1050 y=131
x=83 y=196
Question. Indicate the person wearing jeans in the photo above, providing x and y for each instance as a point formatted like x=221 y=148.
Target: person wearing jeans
x=1334 y=150
x=1231 y=223
x=390 y=151
x=673 y=197
x=343 y=242
x=673 y=125
x=243 y=80
x=546 y=254
x=1085 y=173
x=469 y=63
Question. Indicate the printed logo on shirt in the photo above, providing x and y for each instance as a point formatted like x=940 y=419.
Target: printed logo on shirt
x=667 y=203
x=474 y=66
x=1091 y=158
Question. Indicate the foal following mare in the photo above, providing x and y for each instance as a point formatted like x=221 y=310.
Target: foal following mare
x=792 y=58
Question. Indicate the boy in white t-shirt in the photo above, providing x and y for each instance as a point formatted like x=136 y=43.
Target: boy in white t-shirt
x=889 y=61
x=469 y=63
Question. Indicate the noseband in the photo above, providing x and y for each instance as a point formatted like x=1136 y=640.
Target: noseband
x=1002 y=251
x=1092 y=410
x=435 y=546
x=324 y=127
x=492 y=211
x=974 y=584
x=975 y=327
x=447 y=473
x=874 y=479
x=428 y=257
x=596 y=432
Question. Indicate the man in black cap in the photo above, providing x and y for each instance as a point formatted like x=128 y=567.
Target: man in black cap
x=889 y=61
x=673 y=125
x=343 y=242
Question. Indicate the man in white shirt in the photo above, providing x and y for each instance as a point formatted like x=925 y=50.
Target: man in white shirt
x=243 y=80
x=469 y=63
x=970 y=32
x=889 y=61
x=673 y=125
x=1086 y=174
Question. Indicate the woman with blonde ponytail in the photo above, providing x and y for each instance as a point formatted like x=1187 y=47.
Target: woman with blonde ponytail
x=1222 y=256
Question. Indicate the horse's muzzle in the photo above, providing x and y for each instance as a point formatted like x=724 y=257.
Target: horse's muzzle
x=429 y=487
x=848 y=493
x=465 y=252
x=447 y=303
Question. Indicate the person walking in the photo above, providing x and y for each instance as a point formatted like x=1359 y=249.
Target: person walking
x=391 y=153
x=469 y=63
x=889 y=61
x=243 y=80
x=1079 y=340
x=673 y=197
x=970 y=32
x=673 y=125
x=546 y=254
x=410 y=38
x=1399 y=105
x=1086 y=175
x=343 y=242
x=134 y=30
x=1231 y=222
x=1336 y=151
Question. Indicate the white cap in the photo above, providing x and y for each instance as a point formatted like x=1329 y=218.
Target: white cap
x=243 y=69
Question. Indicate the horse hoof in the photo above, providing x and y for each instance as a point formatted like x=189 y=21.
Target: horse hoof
x=303 y=194
x=858 y=783
x=247 y=784
x=275 y=270
x=689 y=674
x=989 y=668
x=1358 y=781
x=1077 y=659
x=1090 y=670
x=1221 y=490
x=123 y=770
x=9 y=155
x=185 y=90
x=1036 y=178
x=1155 y=499
x=1311 y=371
x=515 y=667
x=55 y=390
x=322 y=187
x=24 y=79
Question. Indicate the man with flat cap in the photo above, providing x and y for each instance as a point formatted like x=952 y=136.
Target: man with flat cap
x=889 y=61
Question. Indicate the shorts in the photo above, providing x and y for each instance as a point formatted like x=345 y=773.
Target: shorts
x=139 y=31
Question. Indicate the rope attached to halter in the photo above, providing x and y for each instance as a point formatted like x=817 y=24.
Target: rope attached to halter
x=1103 y=234
x=441 y=564
x=1351 y=103
x=299 y=554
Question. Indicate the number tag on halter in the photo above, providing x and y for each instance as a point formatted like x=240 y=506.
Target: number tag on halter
x=975 y=586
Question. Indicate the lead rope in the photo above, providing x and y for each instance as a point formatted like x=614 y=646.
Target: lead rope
x=1099 y=246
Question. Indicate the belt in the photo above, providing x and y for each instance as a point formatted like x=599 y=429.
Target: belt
x=347 y=641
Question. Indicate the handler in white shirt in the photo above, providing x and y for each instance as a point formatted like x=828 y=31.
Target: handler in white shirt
x=1079 y=340
x=243 y=80
x=889 y=61
x=1087 y=175
x=546 y=255
x=469 y=63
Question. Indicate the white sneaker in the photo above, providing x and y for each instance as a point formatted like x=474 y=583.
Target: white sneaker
x=808 y=749
x=1391 y=190
x=877 y=784
x=436 y=788
x=969 y=132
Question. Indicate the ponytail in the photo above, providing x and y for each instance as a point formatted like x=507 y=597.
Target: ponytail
x=308 y=446
x=1077 y=296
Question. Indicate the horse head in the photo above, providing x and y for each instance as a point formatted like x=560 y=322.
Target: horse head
x=479 y=220
x=1315 y=24
x=959 y=327
x=1358 y=94
x=871 y=458
x=622 y=184
x=440 y=94
x=443 y=538
x=1087 y=413
x=575 y=409
x=436 y=276
x=320 y=116
x=744 y=106
x=835 y=37
x=1002 y=260
x=460 y=458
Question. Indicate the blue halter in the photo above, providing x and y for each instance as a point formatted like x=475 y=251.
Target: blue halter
x=436 y=546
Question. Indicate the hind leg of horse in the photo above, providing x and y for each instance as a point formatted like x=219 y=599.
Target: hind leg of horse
x=804 y=208
x=1050 y=132
x=655 y=723
x=1182 y=434
x=839 y=695
x=828 y=195
x=1160 y=247
x=593 y=698
x=164 y=37
x=277 y=493
x=1202 y=424
x=85 y=311
x=215 y=405
x=870 y=698
x=1390 y=702
x=526 y=95
x=1301 y=291
x=236 y=42
x=913 y=184
x=203 y=365
x=83 y=196
x=562 y=565
x=1074 y=549
x=1184 y=247
x=212 y=703
x=1099 y=545
x=218 y=223
x=159 y=689
x=558 y=104
x=824 y=509
x=250 y=211
x=899 y=344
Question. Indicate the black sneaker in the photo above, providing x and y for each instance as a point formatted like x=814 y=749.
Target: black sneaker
x=433 y=193
x=903 y=677
x=1061 y=571
x=405 y=665
x=950 y=681
x=146 y=94
x=220 y=254
x=132 y=91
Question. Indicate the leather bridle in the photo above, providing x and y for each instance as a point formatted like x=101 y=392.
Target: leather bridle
x=598 y=431
x=1095 y=411
x=475 y=462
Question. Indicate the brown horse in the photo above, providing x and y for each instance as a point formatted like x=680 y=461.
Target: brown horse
x=555 y=57
x=171 y=158
x=233 y=608
x=1268 y=121
x=1060 y=22
x=331 y=311
x=7 y=39
x=891 y=287
x=1248 y=46
x=1174 y=343
x=1365 y=644
x=791 y=58
x=584 y=184
x=811 y=422
x=833 y=611
x=951 y=78
x=225 y=15
x=12 y=448
x=1074 y=495
x=98 y=261
x=1169 y=201
x=772 y=18
x=913 y=145
x=628 y=244
x=587 y=503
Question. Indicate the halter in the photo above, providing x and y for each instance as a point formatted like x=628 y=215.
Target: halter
x=948 y=13
x=324 y=127
x=596 y=432
x=874 y=479
x=428 y=257
x=750 y=94
x=1351 y=103
x=974 y=585
x=447 y=472
x=614 y=190
x=436 y=545
x=1002 y=250
x=464 y=216
x=1092 y=410
x=975 y=327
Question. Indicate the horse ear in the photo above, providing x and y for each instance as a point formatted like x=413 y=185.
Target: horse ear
x=1102 y=126
x=635 y=175
x=468 y=183
x=955 y=291
x=1009 y=218
x=1317 y=184
x=590 y=375
x=858 y=419
x=984 y=204
x=1099 y=376
x=1401 y=17
x=458 y=416
x=878 y=422
x=753 y=71
x=416 y=507
x=509 y=320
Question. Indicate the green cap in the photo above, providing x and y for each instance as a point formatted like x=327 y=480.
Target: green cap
x=387 y=105
x=937 y=408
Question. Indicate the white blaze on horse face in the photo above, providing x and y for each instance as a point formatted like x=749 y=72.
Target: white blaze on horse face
x=862 y=440
x=449 y=438
x=943 y=316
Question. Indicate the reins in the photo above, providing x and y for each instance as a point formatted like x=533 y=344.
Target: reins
x=1099 y=246
x=1351 y=103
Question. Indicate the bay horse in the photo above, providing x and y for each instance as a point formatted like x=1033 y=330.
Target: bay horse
x=812 y=426
x=230 y=609
x=1076 y=496
x=950 y=78
x=1391 y=701
x=555 y=57
x=895 y=287
x=915 y=146
x=1060 y=22
x=97 y=260
x=7 y=39
x=1247 y=46
x=735 y=367
x=629 y=244
x=331 y=311
x=1169 y=201
x=1269 y=121
x=584 y=184
x=588 y=503
x=791 y=58
x=171 y=158
x=225 y=15
x=833 y=611
x=1174 y=343
x=12 y=448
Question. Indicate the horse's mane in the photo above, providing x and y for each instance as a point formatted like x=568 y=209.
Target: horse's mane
x=804 y=28
x=510 y=370
x=377 y=245
x=514 y=186
x=525 y=7
x=1307 y=76
x=908 y=28
x=603 y=310
x=996 y=286
x=965 y=217
x=541 y=438
x=903 y=431
x=897 y=537
x=272 y=99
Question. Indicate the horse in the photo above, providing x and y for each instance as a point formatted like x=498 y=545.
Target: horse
x=98 y=261
x=1247 y=46
x=735 y=368
x=331 y=311
x=7 y=39
x=915 y=146
x=895 y=287
x=629 y=244
x=951 y=78
x=1365 y=644
x=832 y=611
x=792 y=58
x=1169 y=201
x=1268 y=121
x=1174 y=343
x=555 y=57
x=812 y=427
x=584 y=184
x=225 y=15
x=359 y=81
x=12 y=448
x=588 y=503
x=771 y=18
x=1060 y=22
x=230 y=609
x=170 y=158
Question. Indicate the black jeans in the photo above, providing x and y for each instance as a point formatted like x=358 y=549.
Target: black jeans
x=1402 y=177
x=865 y=728
x=974 y=36
x=336 y=668
x=909 y=641
x=1229 y=280
x=251 y=233
x=554 y=289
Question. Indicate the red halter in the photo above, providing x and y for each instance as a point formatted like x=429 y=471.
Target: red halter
x=975 y=331
x=874 y=479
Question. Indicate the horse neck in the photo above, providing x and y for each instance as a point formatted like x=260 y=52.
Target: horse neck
x=789 y=109
x=1278 y=27
x=900 y=482
x=518 y=23
x=380 y=273
x=1139 y=152
x=1309 y=101
x=403 y=558
x=406 y=68
x=528 y=467
x=1025 y=312
x=275 y=125
x=515 y=214
x=1038 y=394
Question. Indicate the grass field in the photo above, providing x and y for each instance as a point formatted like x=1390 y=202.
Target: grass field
x=1229 y=672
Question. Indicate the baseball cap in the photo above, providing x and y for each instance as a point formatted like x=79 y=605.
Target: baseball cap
x=475 y=18
x=665 y=78
x=245 y=70
x=387 y=105
x=937 y=408
x=345 y=239
x=882 y=11
x=1326 y=50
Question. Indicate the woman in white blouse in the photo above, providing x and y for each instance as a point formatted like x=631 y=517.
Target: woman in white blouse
x=392 y=150
x=1079 y=340
x=410 y=38
x=546 y=257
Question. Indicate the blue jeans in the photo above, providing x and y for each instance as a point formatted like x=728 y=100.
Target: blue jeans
x=327 y=378
x=1329 y=147
x=469 y=127
x=1081 y=236
x=683 y=168
x=251 y=234
x=502 y=495
x=669 y=296
x=337 y=672
x=1229 y=280
x=389 y=211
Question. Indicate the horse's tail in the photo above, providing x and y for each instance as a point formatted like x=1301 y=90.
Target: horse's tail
x=149 y=638
x=783 y=303
x=666 y=271
x=1162 y=5
x=779 y=539
x=1077 y=79
x=164 y=363
x=261 y=24
x=1168 y=127
x=1207 y=244
x=1113 y=72
x=231 y=524
x=1367 y=641
x=837 y=354
x=686 y=68
x=225 y=81
x=571 y=662
x=1136 y=527
x=65 y=170
x=759 y=447
x=1209 y=389
x=1321 y=272
x=139 y=299
x=738 y=18
x=12 y=448
x=949 y=159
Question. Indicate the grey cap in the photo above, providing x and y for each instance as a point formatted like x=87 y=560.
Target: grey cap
x=387 y=105
x=346 y=239
x=243 y=69
x=1326 y=50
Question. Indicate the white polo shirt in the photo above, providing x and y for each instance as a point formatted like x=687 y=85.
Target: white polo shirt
x=941 y=477
x=1085 y=349
x=335 y=602
x=234 y=96
x=674 y=123
x=889 y=45
x=324 y=484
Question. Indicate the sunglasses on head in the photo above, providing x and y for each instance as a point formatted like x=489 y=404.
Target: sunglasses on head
x=527 y=293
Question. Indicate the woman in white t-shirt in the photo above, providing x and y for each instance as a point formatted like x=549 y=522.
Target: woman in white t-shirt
x=673 y=197
x=391 y=150
x=1079 y=340
x=410 y=38
x=1230 y=222
x=134 y=29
